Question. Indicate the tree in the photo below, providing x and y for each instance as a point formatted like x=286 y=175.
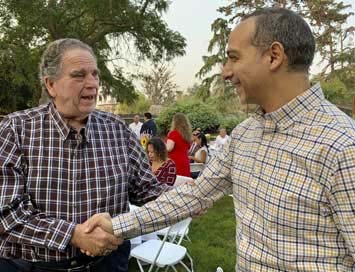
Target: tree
x=139 y=105
x=328 y=18
x=158 y=85
x=118 y=31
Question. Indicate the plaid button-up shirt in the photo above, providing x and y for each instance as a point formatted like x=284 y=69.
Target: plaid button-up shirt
x=292 y=173
x=52 y=178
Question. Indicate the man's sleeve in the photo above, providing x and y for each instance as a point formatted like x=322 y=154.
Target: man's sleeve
x=342 y=196
x=20 y=221
x=180 y=202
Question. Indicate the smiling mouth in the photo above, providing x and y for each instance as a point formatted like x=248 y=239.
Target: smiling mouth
x=88 y=97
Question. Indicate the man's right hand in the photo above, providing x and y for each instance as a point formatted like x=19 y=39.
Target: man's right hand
x=99 y=239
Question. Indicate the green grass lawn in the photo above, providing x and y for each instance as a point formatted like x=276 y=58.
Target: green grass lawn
x=213 y=239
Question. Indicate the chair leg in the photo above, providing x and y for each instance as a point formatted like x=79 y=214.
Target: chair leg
x=140 y=266
x=151 y=268
x=191 y=261
x=173 y=267
x=186 y=267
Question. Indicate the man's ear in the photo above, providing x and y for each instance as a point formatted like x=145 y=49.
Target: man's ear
x=277 y=55
x=50 y=86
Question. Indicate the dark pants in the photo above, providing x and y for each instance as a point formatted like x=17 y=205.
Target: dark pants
x=117 y=261
x=194 y=175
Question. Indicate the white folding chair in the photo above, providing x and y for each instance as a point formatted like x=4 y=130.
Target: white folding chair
x=196 y=168
x=179 y=233
x=161 y=253
x=182 y=180
x=135 y=241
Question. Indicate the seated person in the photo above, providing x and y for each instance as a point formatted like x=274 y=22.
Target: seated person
x=194 y=145
x=163 y=167
x=221 y=139
x=201 y=155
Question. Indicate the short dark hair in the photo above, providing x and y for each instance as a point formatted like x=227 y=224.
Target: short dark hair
x=148 y=115
x=288 y=28
x=159 y=147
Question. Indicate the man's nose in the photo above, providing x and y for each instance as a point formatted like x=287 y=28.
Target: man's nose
x=226 y=72
x=92 y=81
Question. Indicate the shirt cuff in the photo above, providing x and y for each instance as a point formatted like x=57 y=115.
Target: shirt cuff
x=60 y=235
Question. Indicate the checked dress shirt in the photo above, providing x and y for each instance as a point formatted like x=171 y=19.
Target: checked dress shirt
x=292 y=173
x=52 y=178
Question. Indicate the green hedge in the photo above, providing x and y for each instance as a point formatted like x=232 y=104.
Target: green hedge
x=201 y=115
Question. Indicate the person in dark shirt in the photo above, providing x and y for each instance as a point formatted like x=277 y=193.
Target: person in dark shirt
x=149 y=127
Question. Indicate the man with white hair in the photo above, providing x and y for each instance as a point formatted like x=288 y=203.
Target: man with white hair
x=136 y=125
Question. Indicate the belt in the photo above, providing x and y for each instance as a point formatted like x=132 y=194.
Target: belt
x=80 y=264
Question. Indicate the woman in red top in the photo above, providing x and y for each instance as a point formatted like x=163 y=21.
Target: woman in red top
x=178 y=143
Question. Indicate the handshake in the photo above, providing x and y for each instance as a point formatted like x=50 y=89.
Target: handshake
x=95 y=237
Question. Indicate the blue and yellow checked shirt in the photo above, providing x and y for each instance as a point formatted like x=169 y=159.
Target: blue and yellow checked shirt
x=292 y=173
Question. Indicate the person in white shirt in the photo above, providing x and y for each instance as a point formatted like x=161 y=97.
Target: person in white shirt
x=136 y=125
x=200 y=156
x=221 y=139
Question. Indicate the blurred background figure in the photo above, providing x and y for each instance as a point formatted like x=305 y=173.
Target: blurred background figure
x=149 y=127
x=136 y=125
x=201 y=156
x=178 y=143
x=221 y=139
x=163 y=167
x=194 y=145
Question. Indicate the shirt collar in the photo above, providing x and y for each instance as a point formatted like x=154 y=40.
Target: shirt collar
x=294 y=110
x=63 y=128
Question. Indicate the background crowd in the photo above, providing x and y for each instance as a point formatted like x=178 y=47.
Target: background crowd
x=183 y=151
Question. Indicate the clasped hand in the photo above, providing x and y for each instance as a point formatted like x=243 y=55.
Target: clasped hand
x=95 y=236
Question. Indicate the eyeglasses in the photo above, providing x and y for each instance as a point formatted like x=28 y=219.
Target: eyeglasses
x=195 y=134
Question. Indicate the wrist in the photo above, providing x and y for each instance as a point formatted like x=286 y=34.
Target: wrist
x=75 y=239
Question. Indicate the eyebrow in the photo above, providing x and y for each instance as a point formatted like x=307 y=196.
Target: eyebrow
x=232 y=51
x=83 y=71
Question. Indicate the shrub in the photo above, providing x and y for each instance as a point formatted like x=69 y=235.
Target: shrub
x=199 y=114
x=229 y=122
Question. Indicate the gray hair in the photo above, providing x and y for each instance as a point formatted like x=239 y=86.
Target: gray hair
x=51 y=61
x=288 y=28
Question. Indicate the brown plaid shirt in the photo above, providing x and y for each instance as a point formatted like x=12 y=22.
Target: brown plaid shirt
x=53 y=178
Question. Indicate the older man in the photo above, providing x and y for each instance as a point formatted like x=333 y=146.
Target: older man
x=61 y=163
x=291 y=165
x=136 y=125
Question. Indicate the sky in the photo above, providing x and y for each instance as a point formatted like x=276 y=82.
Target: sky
x=193 y=19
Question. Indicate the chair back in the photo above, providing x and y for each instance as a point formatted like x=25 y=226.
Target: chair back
x=180 y=226
x=160 y=249
x=181 y=180
x=196 y=167
x=179 y=230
